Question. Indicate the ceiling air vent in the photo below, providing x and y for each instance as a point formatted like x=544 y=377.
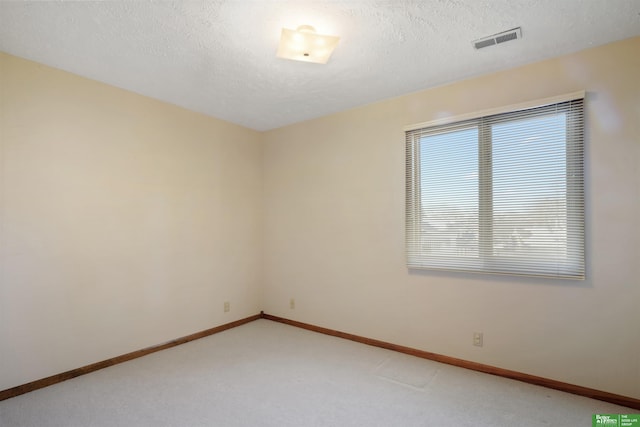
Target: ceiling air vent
x=513 y=34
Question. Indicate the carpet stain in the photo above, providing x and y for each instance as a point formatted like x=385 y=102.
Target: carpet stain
x=410 y=372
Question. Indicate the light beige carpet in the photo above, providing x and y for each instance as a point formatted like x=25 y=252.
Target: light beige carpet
x=269 y=374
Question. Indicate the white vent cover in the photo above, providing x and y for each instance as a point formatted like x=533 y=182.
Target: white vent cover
x=505 y=36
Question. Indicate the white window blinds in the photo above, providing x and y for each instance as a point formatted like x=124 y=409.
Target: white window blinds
x=502 y=193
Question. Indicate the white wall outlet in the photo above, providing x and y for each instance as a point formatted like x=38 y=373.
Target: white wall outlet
x=292 y=303
x=227 y=306
x=478 y=339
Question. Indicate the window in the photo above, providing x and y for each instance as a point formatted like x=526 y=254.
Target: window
x=499 y=193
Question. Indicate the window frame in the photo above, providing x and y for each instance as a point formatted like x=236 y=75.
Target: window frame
x=487 y=261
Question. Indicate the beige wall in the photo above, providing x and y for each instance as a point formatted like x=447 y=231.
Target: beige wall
x=125 y=222
x=334 y=232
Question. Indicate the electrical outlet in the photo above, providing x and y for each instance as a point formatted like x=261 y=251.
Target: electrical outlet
x=292 y=303
x=478 y=339
x=227 y=306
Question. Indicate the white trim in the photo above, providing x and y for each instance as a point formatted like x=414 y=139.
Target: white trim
x=499 y=110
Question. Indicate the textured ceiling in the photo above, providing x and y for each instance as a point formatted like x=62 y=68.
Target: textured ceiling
x=218 y=56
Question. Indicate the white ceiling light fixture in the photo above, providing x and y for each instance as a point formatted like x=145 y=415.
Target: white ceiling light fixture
x=304 y=44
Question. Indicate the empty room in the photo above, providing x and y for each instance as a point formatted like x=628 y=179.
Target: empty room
x=320 y=213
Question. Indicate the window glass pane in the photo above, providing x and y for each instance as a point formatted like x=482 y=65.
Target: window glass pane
x=529 y=187
x=449 y=193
